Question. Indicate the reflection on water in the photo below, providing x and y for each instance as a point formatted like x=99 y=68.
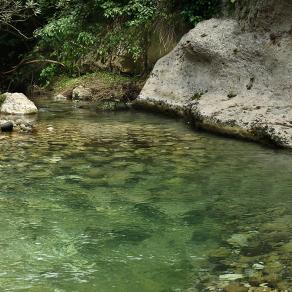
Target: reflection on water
x=135 y=202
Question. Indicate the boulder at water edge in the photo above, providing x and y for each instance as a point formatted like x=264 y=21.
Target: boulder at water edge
x=82 y=93
x=232 y=77
x=17 y=104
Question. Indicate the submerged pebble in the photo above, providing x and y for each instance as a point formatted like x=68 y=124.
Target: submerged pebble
x=258 y=266
x=231 y=277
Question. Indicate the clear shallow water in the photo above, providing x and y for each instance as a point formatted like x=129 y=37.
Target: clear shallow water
x=133 y=202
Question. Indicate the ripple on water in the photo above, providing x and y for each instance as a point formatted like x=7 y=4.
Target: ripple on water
x=131 y=201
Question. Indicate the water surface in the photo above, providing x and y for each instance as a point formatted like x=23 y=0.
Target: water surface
x=132 y=202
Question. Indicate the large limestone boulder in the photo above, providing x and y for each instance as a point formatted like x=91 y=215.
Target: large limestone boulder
x=230 y=78
x=17 y=104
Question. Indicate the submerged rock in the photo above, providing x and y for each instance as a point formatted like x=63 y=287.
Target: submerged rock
x=26 y=127
x=60 y=97
x=18 y=123
x=231 y=277
x=231 y=81
x=258 y=266
x=17 y=104
x=239 y=240
x=112 y=105
x=235 y=288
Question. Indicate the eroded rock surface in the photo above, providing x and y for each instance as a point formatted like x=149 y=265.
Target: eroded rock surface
x=82 y=93
x=17 y=104
x=229 y=80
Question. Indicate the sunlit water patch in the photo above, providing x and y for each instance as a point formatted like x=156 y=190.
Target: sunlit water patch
x=132 y=202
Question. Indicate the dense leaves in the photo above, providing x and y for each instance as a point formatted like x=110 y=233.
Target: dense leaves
x=80 y=33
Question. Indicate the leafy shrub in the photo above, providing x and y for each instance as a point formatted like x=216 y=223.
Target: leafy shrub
x=78 y=33
x=105 y=29
x=196 y=11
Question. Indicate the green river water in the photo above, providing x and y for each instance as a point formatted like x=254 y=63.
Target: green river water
x=133 y=201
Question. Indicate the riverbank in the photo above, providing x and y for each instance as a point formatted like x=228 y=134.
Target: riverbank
x=111 y=87
x=101 y=84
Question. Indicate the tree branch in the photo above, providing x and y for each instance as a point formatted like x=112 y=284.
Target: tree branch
x=23 y=62
x=16 y=29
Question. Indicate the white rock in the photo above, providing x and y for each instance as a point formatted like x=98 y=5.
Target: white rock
x=50 y=129
x=230 y=277
x=81 y=93
x=18 y=103
x=264 y=285
x=258 y=267
x=60 y=97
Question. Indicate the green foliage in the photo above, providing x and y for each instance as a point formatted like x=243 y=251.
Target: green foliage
x=78 y=33
x=196 y=11
x=198 y=95
x=104 y=30
x=63 y=82
x=48 y=73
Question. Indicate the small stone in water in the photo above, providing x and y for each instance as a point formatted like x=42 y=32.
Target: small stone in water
x=265 y=285
x=54 y=159
x=230 y=277
x=7 y=127
x=235 y=288
x=239 y=240
x=287 y=248
x=258 y=266
x=50 y=129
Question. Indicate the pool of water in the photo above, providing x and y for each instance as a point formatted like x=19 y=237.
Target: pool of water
x=132 y=201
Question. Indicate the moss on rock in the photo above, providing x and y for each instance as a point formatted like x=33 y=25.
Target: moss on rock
x=2 y=98
x=104 y=86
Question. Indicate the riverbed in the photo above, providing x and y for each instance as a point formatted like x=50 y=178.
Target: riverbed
x=133 y=201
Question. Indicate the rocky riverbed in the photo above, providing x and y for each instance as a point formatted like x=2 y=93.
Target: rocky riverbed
x=255 y=258
x=231 y=212
x=139 y=194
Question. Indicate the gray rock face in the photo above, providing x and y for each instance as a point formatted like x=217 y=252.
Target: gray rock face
x=81 y=93
x=17 y=104
x=228 y=80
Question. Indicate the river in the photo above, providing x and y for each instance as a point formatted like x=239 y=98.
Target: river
x=133 y=201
